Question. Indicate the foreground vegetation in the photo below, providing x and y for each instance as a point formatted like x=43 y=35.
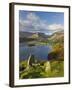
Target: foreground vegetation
x=42 y=70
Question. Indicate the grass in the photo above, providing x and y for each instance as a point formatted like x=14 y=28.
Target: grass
x=56 y=70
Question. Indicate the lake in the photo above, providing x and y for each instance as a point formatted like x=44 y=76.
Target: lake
x=40 y=52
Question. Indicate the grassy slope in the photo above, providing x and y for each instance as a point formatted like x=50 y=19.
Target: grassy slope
x=40 y=71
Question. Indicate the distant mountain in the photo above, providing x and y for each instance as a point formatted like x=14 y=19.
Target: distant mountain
x=25 y=34
x=29 y=36
x=43 y=35
x=57 y=36
x=32 y=35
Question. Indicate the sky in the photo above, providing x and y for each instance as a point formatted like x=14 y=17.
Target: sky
x=44 y=22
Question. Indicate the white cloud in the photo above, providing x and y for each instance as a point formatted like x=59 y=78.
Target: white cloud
x=55 y=27
x=34 y=23
x=32 y=17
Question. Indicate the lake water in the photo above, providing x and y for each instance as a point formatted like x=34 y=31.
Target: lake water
x=40 y=52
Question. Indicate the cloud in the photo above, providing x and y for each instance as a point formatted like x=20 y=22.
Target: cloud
x=55 y=27
x=35 y=24
x=32 y=17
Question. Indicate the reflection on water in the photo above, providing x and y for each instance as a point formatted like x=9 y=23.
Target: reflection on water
x=40 y=52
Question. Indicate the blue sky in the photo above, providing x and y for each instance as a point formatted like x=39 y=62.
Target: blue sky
x=36 y=21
